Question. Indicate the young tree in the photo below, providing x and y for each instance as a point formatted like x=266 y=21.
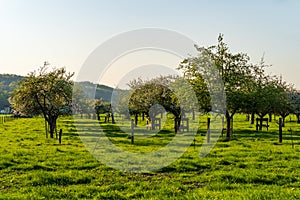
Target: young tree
x=233 y=69
x=102 y=107
x=170 y=93
x=295 y=103
x=43 y=92
x=283 y=101
x=81 y=102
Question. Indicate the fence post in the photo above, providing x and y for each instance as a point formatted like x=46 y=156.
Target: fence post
x=208 y=130
x=280 y=130
x=132 y=131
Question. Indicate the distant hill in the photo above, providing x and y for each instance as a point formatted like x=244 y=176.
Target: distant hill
x=8 y=83
x=102 y=91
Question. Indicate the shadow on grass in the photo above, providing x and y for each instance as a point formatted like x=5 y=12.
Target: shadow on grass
x=186 y=167
x=255 y=134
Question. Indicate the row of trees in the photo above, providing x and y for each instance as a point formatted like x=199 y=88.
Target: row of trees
x=247 y=87
x=163 y=94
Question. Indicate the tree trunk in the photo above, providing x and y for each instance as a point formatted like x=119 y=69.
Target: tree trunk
x=260 y=122
x=176 y=124
x=283 y=120
x=108 y=116
x=46 y=128
x=136 y=119
x=179 y=123
x=298 y=118
x=98 y=116
x=252 y=117
x=52 y=125
x=270 y=117
x=112 y=118
x=228 y=125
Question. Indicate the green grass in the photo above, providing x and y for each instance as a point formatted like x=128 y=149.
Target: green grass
x=253 y=165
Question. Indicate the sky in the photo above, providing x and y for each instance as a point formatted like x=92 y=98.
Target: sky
x=66 y=32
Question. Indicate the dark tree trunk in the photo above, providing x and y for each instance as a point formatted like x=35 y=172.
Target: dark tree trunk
x=136 y=119
x=52 y=126
x=176 y=127
x=248 y=117
x=143 y=116
x=228 y=125
x=46 y=128
x=177 y=121
x=252 y=117
x=298 y=118
x=283 y=119
x=112 y=118
x=260 y=123
x=98 y=116
x=270 y=117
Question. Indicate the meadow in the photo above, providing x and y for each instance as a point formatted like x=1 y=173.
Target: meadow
x=252 y=165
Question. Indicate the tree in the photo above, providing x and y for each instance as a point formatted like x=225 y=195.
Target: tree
x=43 y=92
x=233 y=69
x=144 y=97
x=81 y=101
x=120 y=99
x=295 y=103
x=102 y=107
x=169 y=93
x=283 y=100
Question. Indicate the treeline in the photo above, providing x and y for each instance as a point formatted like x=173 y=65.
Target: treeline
x=7 y=85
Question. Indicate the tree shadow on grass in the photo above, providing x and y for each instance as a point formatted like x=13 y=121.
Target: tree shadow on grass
x=249 y=134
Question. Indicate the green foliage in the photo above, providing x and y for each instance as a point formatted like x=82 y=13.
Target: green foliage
x=44 y=93
x=248 y=89
x=217 y=63
x=171 y=94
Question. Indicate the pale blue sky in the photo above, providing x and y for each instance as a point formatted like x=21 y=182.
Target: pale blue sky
x=65 y=32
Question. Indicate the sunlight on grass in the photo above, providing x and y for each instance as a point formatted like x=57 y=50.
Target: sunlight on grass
x=253 y=165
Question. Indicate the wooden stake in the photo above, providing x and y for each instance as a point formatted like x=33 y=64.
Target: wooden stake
x=280 y=130
x=208 y=130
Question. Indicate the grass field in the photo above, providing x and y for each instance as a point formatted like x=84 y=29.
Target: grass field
x=253 y=165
